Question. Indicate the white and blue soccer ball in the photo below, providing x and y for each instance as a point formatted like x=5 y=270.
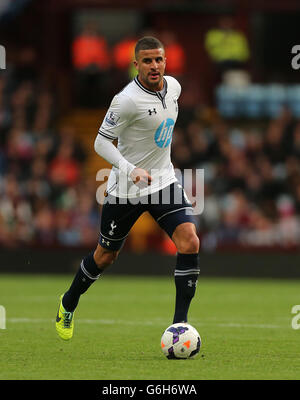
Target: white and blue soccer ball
x=180 y=340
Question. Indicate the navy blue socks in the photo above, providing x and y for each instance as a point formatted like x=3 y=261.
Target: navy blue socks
x=186 y=277
x=87 y=274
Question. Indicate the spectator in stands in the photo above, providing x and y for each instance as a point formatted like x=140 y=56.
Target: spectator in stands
x=175 y=54
x=91 y=61
x=25 y=69
x=123 y=57
x=67 y=233
x=123 y=53
x=44 y=113
x=38 y=187
x=234 y=217
x=252 y=176
x=86 y=217
x=198 y=143
x=288 y=225
x=3 y=162
x=296 y=141
x=20 y=146
x=5 y=114
x=22 y=103
x=15 y=213
x=273 y=143
x=44 y=225
x=296 y=194
x=64 y=169
x=227 y=47
x=67 y=135
x=181 y=153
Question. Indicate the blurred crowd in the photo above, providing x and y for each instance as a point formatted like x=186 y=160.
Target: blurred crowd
x=95 y=59
x=101 y=69
x=44 y=197
x=252 y=179
x=251 y=168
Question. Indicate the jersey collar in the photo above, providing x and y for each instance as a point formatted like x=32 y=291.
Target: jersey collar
x=160 y=94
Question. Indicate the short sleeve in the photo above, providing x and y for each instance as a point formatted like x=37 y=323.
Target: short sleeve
x=119 y=115
x=178 y=87
x=174 y=84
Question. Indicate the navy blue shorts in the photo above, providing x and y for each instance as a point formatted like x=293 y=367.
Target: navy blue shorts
x=169 y=207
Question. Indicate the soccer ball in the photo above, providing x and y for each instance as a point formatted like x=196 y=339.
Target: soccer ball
x=180 y=340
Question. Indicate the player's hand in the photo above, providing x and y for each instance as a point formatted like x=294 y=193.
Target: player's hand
x=141 y=177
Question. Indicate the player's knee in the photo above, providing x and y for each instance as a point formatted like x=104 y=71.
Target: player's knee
x=189 y=244
x=186 y=239
x=194 y=244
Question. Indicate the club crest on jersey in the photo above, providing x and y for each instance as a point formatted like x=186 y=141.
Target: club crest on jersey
x=112 y=118
x=113 y=226
x=163 y=134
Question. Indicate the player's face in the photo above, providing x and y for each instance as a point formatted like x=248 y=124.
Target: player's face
x=151 y=66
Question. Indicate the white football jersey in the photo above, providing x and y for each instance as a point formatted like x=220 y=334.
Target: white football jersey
x=143 y=122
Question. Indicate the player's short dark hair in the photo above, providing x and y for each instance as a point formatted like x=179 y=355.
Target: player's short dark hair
x=147 y=43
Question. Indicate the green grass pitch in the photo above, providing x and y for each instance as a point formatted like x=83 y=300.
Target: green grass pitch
x=245 y=326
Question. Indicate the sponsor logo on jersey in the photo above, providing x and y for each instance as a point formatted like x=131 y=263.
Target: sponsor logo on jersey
x=163 y=134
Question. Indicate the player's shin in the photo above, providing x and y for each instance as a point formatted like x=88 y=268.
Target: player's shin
x=87 y=274
x=186 y=277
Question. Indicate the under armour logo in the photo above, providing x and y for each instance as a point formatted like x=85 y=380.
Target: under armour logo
x=113 y=226
x=105 y=242
x=152 y=111
x=191 y=283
